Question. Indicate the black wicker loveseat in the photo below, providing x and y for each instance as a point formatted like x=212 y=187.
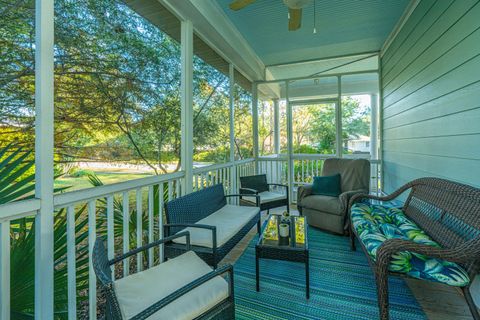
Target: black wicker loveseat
x=181 y=288
x=215 y=227
x=435 y=236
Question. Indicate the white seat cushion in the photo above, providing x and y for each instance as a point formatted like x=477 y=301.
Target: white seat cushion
x=229 y=220
x=139 y=291
x=266 y=196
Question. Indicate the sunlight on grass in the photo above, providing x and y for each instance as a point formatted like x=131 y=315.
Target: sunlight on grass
x=77 y=183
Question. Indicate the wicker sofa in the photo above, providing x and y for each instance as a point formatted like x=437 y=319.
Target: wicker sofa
x=215 y=227
x=435 y=236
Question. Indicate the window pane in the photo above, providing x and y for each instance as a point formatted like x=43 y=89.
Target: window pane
x=211 y=126
x=117 y=103
x=17 y=93
x=356 y=111
x=270 y=94
x=314 y=128
x=266 y=127
x=358 y=93
x=243 y=123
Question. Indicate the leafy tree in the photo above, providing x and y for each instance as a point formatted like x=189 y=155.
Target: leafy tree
x=117 y=80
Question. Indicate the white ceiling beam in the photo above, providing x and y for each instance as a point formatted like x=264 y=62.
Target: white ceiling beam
x=213 y=27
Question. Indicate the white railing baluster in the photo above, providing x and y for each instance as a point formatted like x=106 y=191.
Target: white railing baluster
x=177 y=188
x=223 y=178
x=126 y=231
x=196 y=182
x=170 y=190
x=5 y=270
x=110 y=230
x=160 y=219
x=92 y=281
x=150 y=224
x=139 y=228
x=208 y=178
x=71 y=264
x=302 y=178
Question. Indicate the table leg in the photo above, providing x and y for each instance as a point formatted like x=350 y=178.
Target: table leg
x=257 y=271
x=307 y=276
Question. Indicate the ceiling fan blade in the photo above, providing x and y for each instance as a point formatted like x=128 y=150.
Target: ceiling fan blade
x=295 y=20
x=240 y=4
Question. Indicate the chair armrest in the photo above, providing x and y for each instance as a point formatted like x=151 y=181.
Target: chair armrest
x=187 y=288
x=196 y=225
x=151 y=245
x=347 y=195
x=257 y=197
x=389 y=197
x=278 y=185
x=248 y=191
x=303 y=192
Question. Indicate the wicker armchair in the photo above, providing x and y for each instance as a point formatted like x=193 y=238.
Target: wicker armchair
x=449 y=213
x=215 y=227
x=123 y=301
x=257 y=185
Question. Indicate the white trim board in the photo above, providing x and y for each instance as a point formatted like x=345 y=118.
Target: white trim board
x=214 y=28
x=399 y=26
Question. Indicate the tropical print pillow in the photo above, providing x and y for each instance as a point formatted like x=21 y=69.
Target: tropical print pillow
x=376 y=223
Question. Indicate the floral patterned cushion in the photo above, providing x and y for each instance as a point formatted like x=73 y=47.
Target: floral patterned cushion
x=376 y=223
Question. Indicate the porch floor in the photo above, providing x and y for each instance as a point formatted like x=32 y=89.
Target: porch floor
x=439 y=302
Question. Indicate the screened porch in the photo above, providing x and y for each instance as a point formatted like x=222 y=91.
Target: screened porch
x=175 y=97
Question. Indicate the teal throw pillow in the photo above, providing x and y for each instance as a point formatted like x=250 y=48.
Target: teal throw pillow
x=327 y=185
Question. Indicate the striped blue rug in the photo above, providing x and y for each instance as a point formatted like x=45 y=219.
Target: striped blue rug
x=342 y=285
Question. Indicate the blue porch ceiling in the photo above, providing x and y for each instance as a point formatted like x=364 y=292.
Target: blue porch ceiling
x=343 y=27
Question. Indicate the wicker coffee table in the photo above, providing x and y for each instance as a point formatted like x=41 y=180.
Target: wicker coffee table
x=294 y=248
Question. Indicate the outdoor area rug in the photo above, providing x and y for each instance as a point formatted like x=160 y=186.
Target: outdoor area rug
x=342 y=285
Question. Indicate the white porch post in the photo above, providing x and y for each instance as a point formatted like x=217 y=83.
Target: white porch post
x=187 y=104
x=338 y=118
x=276 y=126
x=290 y=161
x=231 y=105
x=255 y=123
x=44 y=89
x=374 y=127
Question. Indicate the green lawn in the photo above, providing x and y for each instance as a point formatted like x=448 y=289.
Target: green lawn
x=77 y=183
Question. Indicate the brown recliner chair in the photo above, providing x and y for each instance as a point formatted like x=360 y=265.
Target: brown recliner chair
x=329 y=213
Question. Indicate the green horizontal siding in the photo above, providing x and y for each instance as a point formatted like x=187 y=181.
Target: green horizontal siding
x=431 y=95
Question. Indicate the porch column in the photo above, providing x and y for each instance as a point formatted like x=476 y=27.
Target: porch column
x=255 y=123
x=276 y=127
x=187 y=104
x=290 y=159
x=338 y=119
x=233 y=168
x=44 y=104
x=374 y=127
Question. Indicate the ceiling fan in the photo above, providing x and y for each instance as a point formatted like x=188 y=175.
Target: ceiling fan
x=294 y=10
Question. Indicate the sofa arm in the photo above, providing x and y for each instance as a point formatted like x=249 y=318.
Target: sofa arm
x=240 y=196
x=248 y=191
x=303 y=192
x=213 y=229
x=151 y=245
x=347 y=195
